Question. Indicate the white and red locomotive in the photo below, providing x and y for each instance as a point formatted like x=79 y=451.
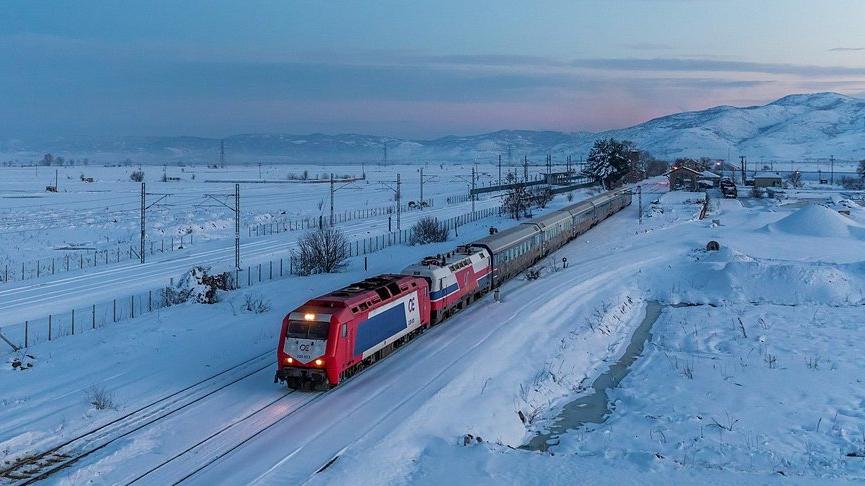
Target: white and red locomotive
x=332 y=337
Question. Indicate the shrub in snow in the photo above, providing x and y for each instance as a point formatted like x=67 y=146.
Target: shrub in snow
x=324 y=250
x=428 y=230
x=137 y=176
x=197 y=285
x=256 y=304
x=543 y=197
x=852 y=183
x=100 y=398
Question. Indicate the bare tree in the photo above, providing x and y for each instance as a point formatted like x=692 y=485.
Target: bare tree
x=517 y=199
x=428 y=230
x=137 y=176
x=324 y=250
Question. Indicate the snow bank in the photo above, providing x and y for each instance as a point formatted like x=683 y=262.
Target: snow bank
x=717 y=277
x=817 y=220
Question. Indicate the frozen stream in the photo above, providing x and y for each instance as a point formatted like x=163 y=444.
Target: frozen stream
x=594 y=407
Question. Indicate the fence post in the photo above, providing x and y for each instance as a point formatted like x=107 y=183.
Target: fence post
x=280 y=266
x=114 y=318
x=49 y=327
x=94 y=316
x=271 y=269
x=259 y=273
x=149 y=301
x=26 y=334
x=73 y=322
x=248 y=276
x=132 y=308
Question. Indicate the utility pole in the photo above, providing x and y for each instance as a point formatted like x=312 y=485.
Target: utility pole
x=143 y=210
x=236 y=228
x=333 y=191
x=331 y=198
x=473 y=189
x=423 y=179
x=398 y=198
x=385 y=153
x=236 y=209
x=398 y=203
x=640 y=202
x=525 y=168
x=500 y=169
x=259 y=171
x=56 y=187
x=742 y=166
x=832 y=169
x=222 y=153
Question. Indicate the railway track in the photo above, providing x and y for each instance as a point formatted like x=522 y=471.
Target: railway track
x=35 y=467
x=225 y=440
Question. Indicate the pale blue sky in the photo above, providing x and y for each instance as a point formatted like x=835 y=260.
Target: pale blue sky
x=408 y=68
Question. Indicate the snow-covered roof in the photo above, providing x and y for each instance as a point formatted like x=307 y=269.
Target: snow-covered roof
x=709 y=174
x=674 y=169
x=767 y=175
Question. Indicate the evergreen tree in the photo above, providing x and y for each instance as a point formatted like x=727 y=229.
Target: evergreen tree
x=608 y=161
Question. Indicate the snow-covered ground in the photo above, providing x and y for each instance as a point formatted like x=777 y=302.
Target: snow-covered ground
x=104 y=214
x=751 y=374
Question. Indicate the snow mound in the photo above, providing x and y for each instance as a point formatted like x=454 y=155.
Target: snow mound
x=816 y=220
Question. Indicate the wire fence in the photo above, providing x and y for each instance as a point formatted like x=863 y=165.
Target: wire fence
x=85 y=318
x=81 y=259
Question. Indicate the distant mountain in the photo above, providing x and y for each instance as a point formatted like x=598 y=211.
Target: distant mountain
x=794 y=127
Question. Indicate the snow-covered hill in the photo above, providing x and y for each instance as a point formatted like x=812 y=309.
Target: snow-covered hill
x=794 y=127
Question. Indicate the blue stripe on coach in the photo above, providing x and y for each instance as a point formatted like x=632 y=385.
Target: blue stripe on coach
x=378 y=328
x=438 y=294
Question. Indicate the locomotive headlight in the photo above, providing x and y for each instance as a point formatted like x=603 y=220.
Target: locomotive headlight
x=309 y=317
x=289 y=360
x=319 y=362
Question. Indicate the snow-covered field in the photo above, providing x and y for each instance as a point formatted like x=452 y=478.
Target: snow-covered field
x=750 y=375
x=105 y=214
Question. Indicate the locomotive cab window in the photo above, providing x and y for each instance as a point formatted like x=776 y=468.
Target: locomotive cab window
x=344 y=329
x=394 y=289
x=307 y=330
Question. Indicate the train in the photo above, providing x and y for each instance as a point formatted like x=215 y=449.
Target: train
x=332 y=337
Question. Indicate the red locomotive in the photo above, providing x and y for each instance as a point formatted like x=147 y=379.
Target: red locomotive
x=332 y=337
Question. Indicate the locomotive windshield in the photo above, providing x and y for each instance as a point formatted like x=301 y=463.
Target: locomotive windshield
x=307 y=329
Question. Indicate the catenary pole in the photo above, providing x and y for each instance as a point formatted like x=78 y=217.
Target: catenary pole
x=143 y=210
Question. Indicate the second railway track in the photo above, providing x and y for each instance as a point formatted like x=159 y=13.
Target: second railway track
x=50 y=460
